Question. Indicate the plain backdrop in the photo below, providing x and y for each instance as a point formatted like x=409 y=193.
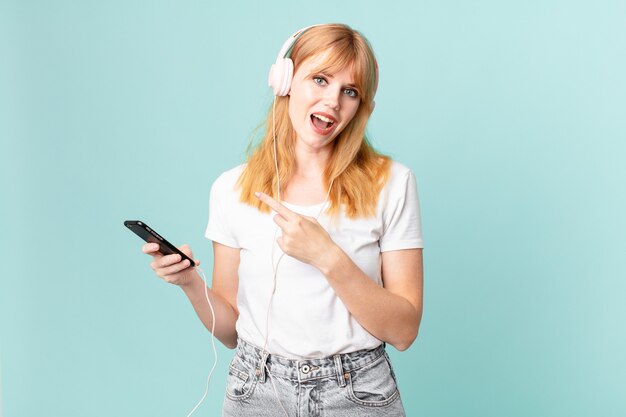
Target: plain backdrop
x=511 y=114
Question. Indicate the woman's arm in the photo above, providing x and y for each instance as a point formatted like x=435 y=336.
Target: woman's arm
x=392 y=313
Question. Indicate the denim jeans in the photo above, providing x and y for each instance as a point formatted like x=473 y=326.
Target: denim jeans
x=360 y=383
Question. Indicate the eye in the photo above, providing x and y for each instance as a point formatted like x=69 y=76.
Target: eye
x=319 y=80
x=351 y=92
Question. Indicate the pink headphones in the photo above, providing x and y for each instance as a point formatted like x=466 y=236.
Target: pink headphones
x=281 y=72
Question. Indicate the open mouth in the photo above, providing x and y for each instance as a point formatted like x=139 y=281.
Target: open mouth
x=322 y=123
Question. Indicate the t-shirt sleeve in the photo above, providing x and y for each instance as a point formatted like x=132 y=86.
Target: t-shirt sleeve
x=401 y=216
x=218 y=228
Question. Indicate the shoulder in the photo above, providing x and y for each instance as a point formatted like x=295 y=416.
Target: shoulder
x=227 y=180
x=399 y=176
x=399 y=169
x=401 y=187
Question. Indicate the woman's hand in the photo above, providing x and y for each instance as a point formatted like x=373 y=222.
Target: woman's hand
x=303 y=237
x=169 y=267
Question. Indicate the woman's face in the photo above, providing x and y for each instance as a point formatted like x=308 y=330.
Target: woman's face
x=321 y=105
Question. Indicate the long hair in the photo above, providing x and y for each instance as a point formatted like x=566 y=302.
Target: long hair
x=356 y=170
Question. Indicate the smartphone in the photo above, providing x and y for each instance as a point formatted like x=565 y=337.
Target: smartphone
x=149 y=235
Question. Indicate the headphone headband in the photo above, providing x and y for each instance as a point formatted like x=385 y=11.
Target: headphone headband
x=289 y=42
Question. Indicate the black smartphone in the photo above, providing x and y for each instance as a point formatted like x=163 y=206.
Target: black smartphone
x=149 y=235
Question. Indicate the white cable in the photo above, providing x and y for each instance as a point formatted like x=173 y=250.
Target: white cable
x=275 y=267
x=275 y=155
x=208 y=381
x=269 y=306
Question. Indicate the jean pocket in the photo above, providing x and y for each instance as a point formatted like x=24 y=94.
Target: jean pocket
x=373 y=385
x=239 y=384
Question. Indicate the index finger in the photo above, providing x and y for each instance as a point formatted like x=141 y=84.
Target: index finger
x=274 y=205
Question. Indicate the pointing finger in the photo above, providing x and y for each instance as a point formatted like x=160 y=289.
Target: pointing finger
x=275 y=205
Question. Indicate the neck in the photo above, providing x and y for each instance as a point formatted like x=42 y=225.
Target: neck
x=311 y=163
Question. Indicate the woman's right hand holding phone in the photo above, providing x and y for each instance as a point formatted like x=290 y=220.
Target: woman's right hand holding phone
x=170 y=267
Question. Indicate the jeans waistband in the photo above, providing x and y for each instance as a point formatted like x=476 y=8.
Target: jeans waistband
x=306 y=369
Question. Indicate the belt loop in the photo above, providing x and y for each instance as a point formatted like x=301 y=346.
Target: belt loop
x=339 y=371
x=261 y=370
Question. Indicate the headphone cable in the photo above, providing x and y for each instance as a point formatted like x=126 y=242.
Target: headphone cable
x=208 y=381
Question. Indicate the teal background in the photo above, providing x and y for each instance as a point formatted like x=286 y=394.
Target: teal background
x=511 y=114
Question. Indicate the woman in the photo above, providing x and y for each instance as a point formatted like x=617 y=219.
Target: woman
x=317 y=246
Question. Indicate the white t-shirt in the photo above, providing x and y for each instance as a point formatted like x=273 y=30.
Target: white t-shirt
x=307 y=319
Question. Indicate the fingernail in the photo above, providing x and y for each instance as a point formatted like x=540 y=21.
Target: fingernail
x=257 y=194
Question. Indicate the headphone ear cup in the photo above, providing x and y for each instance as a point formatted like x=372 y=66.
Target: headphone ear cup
x=288 y=76
x=274 y=79
x=280 y=76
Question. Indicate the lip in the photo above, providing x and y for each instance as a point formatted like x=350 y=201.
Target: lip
x=323 y=132
x=326 y=115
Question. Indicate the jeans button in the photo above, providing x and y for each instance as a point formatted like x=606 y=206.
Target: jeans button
x=305 y=369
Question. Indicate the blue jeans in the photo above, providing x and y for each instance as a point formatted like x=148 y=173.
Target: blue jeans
x=360 y=383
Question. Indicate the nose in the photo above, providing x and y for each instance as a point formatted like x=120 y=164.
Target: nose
x=332 y=98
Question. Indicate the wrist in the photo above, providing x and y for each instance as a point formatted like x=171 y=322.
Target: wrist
x=193 y=283
x=331 y=258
